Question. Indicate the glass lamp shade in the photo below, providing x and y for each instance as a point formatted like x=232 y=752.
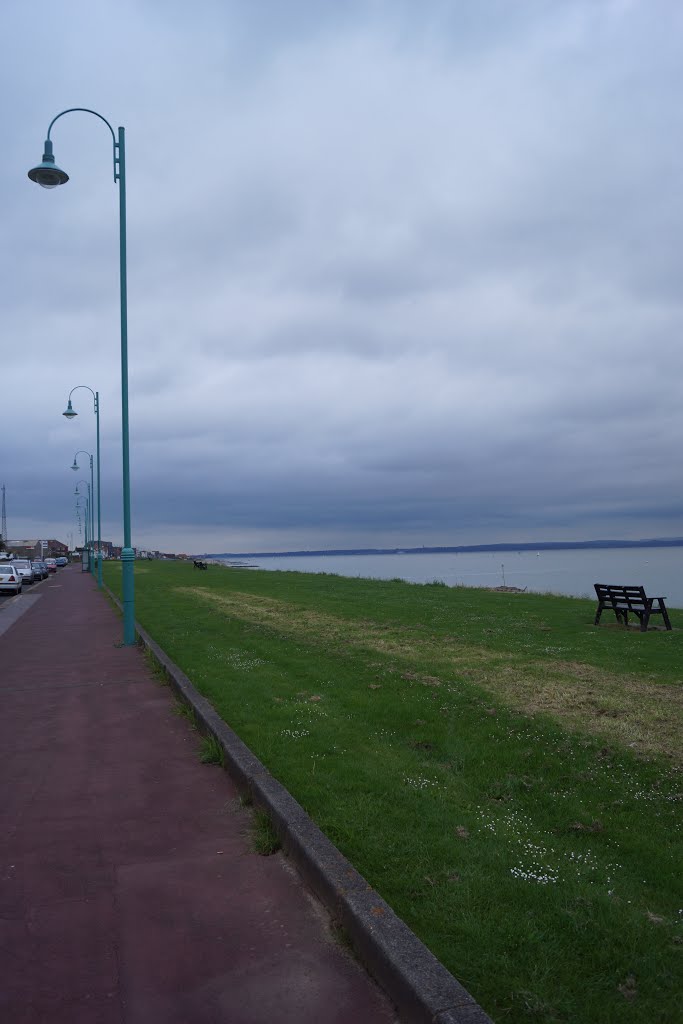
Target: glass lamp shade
x=47 y=173
x=70 y=411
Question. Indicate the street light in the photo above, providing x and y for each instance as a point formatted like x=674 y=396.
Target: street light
x=91 y=560
x=49 y=175
x=91 y=491
x=70 y=412
x=86 y=516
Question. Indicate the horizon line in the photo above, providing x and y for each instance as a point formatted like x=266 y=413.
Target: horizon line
x=449 y=548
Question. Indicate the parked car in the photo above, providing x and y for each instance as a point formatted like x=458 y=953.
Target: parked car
x=61 y=561
x=10 y=580
x=51 y=564
x=40 y=570
x=25 y=570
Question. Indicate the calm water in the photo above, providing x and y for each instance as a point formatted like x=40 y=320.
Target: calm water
x=659 y=570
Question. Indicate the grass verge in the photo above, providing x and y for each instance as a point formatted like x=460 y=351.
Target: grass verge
x=211 y=752
x=505 y=774
x=263 y=836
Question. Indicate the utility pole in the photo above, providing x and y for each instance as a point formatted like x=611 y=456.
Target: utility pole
x=3 y=526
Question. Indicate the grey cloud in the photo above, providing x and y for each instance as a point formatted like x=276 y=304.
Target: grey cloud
x=392 y=272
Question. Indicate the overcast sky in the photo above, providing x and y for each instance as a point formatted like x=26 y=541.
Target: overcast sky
x=399 y=273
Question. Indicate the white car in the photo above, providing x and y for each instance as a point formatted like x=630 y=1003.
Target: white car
x=25 y=570
x=10 y=580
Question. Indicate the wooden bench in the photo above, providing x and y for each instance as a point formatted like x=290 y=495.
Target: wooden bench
x=199 y=565
x=622 y=600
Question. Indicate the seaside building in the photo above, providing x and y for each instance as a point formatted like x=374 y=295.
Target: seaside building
x=38 y=548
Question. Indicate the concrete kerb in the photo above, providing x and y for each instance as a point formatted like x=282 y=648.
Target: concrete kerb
x=420 y=987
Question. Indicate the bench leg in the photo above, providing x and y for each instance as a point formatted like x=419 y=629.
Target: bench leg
x=665 y=615
x=597 y=615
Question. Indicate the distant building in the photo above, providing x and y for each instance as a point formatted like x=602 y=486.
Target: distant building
x=150 y=553
x=115 y=551
x=37 y=549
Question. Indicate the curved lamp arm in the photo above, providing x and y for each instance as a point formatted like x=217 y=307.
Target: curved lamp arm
x=70 y=411
x=49 y=175
x=81 y=452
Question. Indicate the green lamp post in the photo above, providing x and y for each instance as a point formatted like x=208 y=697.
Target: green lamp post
x=49 y=175
x=91 y=491
x=70 y=412
x=91 y=532
x=86 y=515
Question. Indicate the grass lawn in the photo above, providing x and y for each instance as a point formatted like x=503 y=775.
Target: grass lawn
x=505 y=774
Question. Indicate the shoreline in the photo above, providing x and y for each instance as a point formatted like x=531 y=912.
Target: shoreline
x=582 y=545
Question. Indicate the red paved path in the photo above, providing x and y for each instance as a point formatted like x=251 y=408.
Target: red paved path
x=128 y=890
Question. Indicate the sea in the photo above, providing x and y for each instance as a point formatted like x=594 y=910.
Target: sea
x=570 y=572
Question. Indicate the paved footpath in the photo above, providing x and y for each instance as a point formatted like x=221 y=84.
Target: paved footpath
x=129 y=893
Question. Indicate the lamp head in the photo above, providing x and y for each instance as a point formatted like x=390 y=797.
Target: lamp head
x=47 y=173
x=70 y=411
x=75 y=465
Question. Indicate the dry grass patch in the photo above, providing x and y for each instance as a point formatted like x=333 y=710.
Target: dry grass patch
x=627 y=709
x=630 y=709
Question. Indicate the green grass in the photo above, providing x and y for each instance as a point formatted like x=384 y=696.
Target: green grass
x=211 y=751
x=507 y=775
x=156 y=669
x=263 y=836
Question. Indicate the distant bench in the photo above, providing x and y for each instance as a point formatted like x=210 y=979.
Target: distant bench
x=199 y=565
x=622 y=600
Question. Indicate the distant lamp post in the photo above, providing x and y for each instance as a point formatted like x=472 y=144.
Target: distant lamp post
x=89 y=512
x=49 y=175
x=70 y=412
x=91 y=491
x=86 y=516
x=88 y=521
